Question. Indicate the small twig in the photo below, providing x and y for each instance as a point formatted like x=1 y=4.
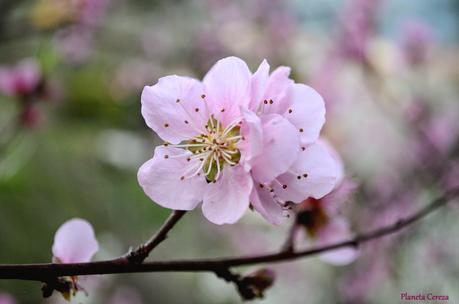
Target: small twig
x=289 y=244
x=141 y=253
x=44 y=272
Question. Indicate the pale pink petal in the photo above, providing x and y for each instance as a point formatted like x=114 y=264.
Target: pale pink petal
x=335 y=231
x=20 y=79
x=306 y=112
x=313 y=174
x=227 y=87
x=280 y=148
x=339 y=161
x=252 y=145
x=277 y=88
x=174 y=109
x=263 y=202
x=164 y=178
x=259 y=82
x=74 y=242
x=226 y=201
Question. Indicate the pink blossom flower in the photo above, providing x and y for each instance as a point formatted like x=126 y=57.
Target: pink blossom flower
x=74 y=242
x=6 y=298
x=236 y=139
x=92 y=11
x=74 y=43
x=21 y=79
x=358 y=26
x=323 y=222
x=417 y=42
x=442 y=130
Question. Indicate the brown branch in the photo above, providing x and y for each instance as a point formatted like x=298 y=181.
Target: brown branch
x=47 y=272
x=289 y=244
x=141 y=253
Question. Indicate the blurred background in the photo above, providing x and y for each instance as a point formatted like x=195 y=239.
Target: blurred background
x=72 y=137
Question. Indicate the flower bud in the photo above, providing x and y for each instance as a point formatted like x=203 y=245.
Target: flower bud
x=253 y=285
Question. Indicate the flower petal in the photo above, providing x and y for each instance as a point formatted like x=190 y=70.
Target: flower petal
x=306 y=112
x=335 y=231
x=277 y=88
x=226 y=201
x=280 y=148
x=259 y=81
x=339 y=161
x=161 y=179
x=263 y=202
x=227 y=86
x=75 y=242
x=169 y=108
x=252 y=132
x=313 y=174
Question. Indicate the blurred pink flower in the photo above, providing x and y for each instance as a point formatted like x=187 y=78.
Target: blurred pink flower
x=372 y=271
x=20 y=80
x=436 y=131
x=6 y=298
x=25 y=83
x=91 y=11
x=443 y=130
x=325 y=80
x=358 y=26
x=236 y=138
x=451 y=178
x=417 y=41
x=74 y=43
x=74 y=242
x=376 y=264
x=75 y=40
x=322 y=221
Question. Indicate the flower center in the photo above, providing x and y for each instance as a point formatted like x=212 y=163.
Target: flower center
x=214 y=149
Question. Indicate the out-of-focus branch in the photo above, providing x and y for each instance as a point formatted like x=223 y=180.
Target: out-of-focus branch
x=141 y=253
x=48 y=272
x=289 y=244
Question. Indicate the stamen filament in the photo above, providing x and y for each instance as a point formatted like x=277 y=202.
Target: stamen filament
x=189 y=145
x=234 y=137
x=196 y=171
x=210 y=164
x=218 y=167
x=228 y=160
x=231 y=126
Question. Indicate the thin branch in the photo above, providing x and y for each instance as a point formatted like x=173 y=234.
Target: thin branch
x=46 y=272
x=141 y=253
x=289 y=244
